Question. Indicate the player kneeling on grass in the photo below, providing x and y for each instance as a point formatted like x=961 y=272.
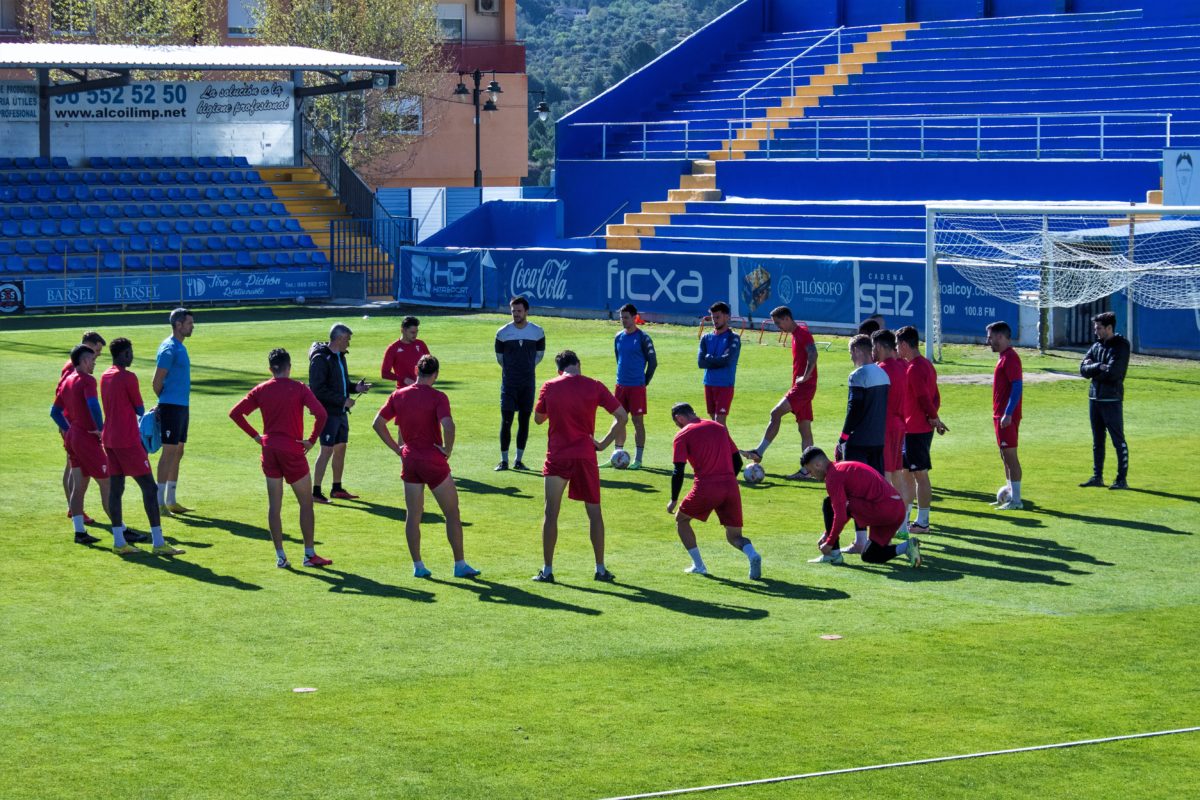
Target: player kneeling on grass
x=569 y=402
x=858 y=492
x=715 y=460
x=422 y=415
x=123 y=446
x=284 y=453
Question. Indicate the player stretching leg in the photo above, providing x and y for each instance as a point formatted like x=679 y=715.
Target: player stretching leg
x=636 y=362
x=715 y=460
x=718 y=357
x=920 y=421
x=422 y=415
x=77 y=413
x=569 y=402
x=284 y=454
x=799 y=397
x=860 y=493
x=1006 y=412
x=883 y=351
x=126 y=455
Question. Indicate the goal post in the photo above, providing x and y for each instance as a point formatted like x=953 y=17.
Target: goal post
x=1047 y=256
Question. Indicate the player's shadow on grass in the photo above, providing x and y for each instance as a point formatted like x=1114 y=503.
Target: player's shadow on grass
x=1169 y=495
x=342 y=582
x=190 y=569
x=238 y=528
x=1037 y=508
x=950 y=562
x=397 y=513
x=772 y=587
x=1041 y=547
x=674 y=602
x=640 y=488
x=479 y=487
x=504 y=594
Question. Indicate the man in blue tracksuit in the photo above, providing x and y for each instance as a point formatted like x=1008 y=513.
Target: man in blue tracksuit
x=718 y=357
x=636 y=362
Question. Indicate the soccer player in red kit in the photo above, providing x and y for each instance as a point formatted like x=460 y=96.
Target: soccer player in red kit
x=800 y=393
x=284 y=450
x=401 y=357
x=569 y=402
x=422 y=414
x=920 y=421
x=77 y=413
x=96 y=342
x=126 y=456
x=857 y=492
x=715 y=460
x=1006 y=409
x=883 y=351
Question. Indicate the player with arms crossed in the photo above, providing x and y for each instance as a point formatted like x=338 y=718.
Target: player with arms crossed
x=123 y=447
x=715 y=460
x=422 y=415
x=883 y=351
x=799 y=397
x=520 y=347
x=172 y=384
x=569 y=403
x=96 y=342
x=77 y=413
x=636 y=363
x=1006 y=412
x=284 y=454
x=1105 y=363
x=400 y=359
x=920 y=421
x=718 y=357
x=859 y=493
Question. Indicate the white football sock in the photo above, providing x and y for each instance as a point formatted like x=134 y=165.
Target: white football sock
x=171 y=492
x=156 y=536
x=923 y=516
x=901 y=548
x=418 y=565
x=547 y=569
x=504 y=456
x=904 y=526
x=697 y=561
x=762 y=447
x=1016 y=491
x=600 y=570
x=77 y=521
x=749 y=550
x=162 y=494
x=280 y=554
x=520 y=454
x=118 y=532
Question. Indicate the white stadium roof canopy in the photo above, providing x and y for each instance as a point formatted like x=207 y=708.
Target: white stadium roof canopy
x=56 y=55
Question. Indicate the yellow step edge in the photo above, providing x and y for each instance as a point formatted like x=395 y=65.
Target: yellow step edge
x=704 y=168
x=901 y=26
x=771 y=124
x=843 y=69
x=663 y=207
x=637 y=218
x=1155 y=197
x=623 y=243
x=698 y=181
x=814 y=91
x=688 y=195
x=630 y=230
x=830 y=80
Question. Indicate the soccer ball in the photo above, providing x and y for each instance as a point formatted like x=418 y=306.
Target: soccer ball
x=754 y=473
x=620 y=459
x=1003 y=495
x=300 y=300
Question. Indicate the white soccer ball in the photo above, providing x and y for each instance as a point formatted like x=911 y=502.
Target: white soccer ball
x=619 y=459
x=1003 y=494
x=754 y=473
x=366 y=316
x=300 y=300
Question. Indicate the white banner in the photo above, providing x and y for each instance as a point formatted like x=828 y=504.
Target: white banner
x=221 y=102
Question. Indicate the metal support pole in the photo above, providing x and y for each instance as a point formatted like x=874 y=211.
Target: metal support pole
x=978 y=137
x=643 y=141
x=1168 y=130
x=817 y=128
x=1038 y=139
x=868 y=140
x=477 y=76
x=1101 y=137
x=43 y=81
x=839 y=51
x=686 y=141
x=297 y=120
x=930 y=291
x=922 y=137
x=604 y=141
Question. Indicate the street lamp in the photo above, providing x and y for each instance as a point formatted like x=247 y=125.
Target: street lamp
x=542 y=109
x=493 y=90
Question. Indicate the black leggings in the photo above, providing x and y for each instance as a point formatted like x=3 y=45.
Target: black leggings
x=506 y=421
x=878 y=553
x=1108 y=417
x=116 y=489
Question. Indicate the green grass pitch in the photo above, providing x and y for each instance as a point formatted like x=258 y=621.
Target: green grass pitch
x=152 y=678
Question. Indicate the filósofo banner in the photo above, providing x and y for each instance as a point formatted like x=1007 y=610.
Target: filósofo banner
x=172 y=286
x=435 y=276
x=219 y=102
x=605 y=280
x=819 y=292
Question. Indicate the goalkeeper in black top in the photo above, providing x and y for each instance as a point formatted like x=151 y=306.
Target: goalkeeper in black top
x=1105 y=363
x=520 y=346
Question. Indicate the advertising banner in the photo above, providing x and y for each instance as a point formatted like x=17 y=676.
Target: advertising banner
x=18 y=101
x=818 y=292
x=172 y=286
x=12 y=298
x=1178 y=168
x=220 y=102
x=440 y=277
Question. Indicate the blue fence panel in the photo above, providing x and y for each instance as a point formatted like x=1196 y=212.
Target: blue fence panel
x=176 y=287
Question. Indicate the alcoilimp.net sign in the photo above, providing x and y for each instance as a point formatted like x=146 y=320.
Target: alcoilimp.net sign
x=221 y=102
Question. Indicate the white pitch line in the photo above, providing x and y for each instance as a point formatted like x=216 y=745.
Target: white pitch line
x=714 y=787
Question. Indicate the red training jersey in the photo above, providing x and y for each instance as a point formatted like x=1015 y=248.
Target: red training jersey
x=418 y=410
x=924 y=400
x=570 y=403
x=801 y=341
x=708 y=447
x=1008 y=371
x=121 y=398
x=897 y=404
x=67 y=369
x=282 y=402
x=400 y=361
x=861 y=489
x=73 y=395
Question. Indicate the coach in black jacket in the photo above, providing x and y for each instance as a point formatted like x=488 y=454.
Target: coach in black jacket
x=1105 y=363
x=329 y=379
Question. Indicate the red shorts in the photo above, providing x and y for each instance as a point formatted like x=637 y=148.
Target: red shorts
x=70 y=464
x=718 y=399
x=132 y=462
x=800 y=398
x=893 y=448
x=582 y=476
x=724 y=497
x=428 y=467
x=87 y=454
x=882 y=533
x=1006 y=437
x=279 y=463
x=632 y=399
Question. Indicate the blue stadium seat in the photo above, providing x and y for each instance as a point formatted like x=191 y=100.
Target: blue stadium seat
x=225 y=210
x=164 y=227
x=258 y=226
x=153 y=162
x=245 y=259
x=283 y=259
x=250 y=193
x=270 y=242
x=135 y=262
x=126 y=227
x=36 y=265
x=6 y=162
x=252 y=243
x=231 y=193
x=201 y=177
x=10 y=229
x=205 y=210
x=59 y=162
x=193 y=244
x=79 y=264
x=69 y=227
x=56 y=212
x=145 y=227
x=35 y=179
x=6 y=247
x=219 y=177
x=264 y=260
x=220 y=226
x=82 y=246
x=37 y=212
x=170 y=162
x=158 y=244
x=209 y=261
x=120 y=193
x=306 y=242
x=14 y=264
x=175 y=243
x=227 y=260
x=191 y=261
x=43 y=247
x=254 y=177
x=44 y=194
x=279 y=209
x=202 y=226
x=139 y=194
x=131 y=211
x=108 y=227
x=238 y=226
x=127 y=178
x=87 y=227
x=26 y=194
x=275 y=225
x=134 y=162
x=54 y=179
x=41 y=162
x=261 y=209
x=206 y=162
x=157 y=194
x=149 y=210
x=170 y=262
x=225 y=162
x=243 y=209
x=169 y=210
x=175 y=194
x=319 y=258
x=215 y=242
x=29 y=228
x=241 y=161
x=212 y=193
x=235 y=243
x=187 y=162
x=111 y=262
x=23 y=162
x=186 y=210
x=192 y=193
x=48 y=227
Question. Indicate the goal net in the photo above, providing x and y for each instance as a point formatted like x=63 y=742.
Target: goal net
x=1067 y=255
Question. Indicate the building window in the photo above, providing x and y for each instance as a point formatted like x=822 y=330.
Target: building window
x=10 y=20
x=72 y=17
x=241 y=18
x=403 y=116
x=452 y=21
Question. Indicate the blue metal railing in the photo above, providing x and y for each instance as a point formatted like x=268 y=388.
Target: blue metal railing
x=371 y=246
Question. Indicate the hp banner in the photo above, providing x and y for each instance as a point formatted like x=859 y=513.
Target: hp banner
x=181 y=287
x=440 y=277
